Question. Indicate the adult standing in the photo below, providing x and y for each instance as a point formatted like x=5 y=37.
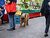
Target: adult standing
x=45 y=10
x=11 y=9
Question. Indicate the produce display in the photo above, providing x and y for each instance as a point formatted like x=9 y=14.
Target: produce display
x=29 y=5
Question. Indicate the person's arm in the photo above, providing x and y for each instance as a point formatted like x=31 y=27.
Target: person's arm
x=43 y=8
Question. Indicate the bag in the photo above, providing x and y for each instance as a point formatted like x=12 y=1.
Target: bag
x=18 y=13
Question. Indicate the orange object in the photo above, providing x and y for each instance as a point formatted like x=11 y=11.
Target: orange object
x=11 y=7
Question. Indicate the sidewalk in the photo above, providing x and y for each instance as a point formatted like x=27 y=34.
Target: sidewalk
x=35 y=29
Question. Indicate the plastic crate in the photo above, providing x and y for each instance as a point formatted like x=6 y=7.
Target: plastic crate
x=17 y=19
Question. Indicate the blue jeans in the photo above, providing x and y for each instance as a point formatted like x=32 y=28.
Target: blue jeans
x=11 y=20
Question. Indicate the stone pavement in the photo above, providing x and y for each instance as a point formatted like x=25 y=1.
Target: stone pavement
x=35 y=29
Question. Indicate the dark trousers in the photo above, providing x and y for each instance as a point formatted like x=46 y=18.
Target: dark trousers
x=47 y=23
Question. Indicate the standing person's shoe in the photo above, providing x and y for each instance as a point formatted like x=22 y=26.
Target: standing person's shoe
x=46 y=34
x=10 y=29
x=14 y=28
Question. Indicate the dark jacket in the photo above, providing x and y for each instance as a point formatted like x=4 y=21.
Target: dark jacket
x=45 y=8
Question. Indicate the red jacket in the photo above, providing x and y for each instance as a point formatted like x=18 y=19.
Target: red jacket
x=11 y=7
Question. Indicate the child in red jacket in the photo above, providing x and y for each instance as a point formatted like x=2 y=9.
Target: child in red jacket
x=11 y=9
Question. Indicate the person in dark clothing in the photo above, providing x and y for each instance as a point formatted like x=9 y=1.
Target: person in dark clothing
x=45 y=10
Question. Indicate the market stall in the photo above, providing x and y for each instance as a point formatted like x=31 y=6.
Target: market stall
x=32 y=7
